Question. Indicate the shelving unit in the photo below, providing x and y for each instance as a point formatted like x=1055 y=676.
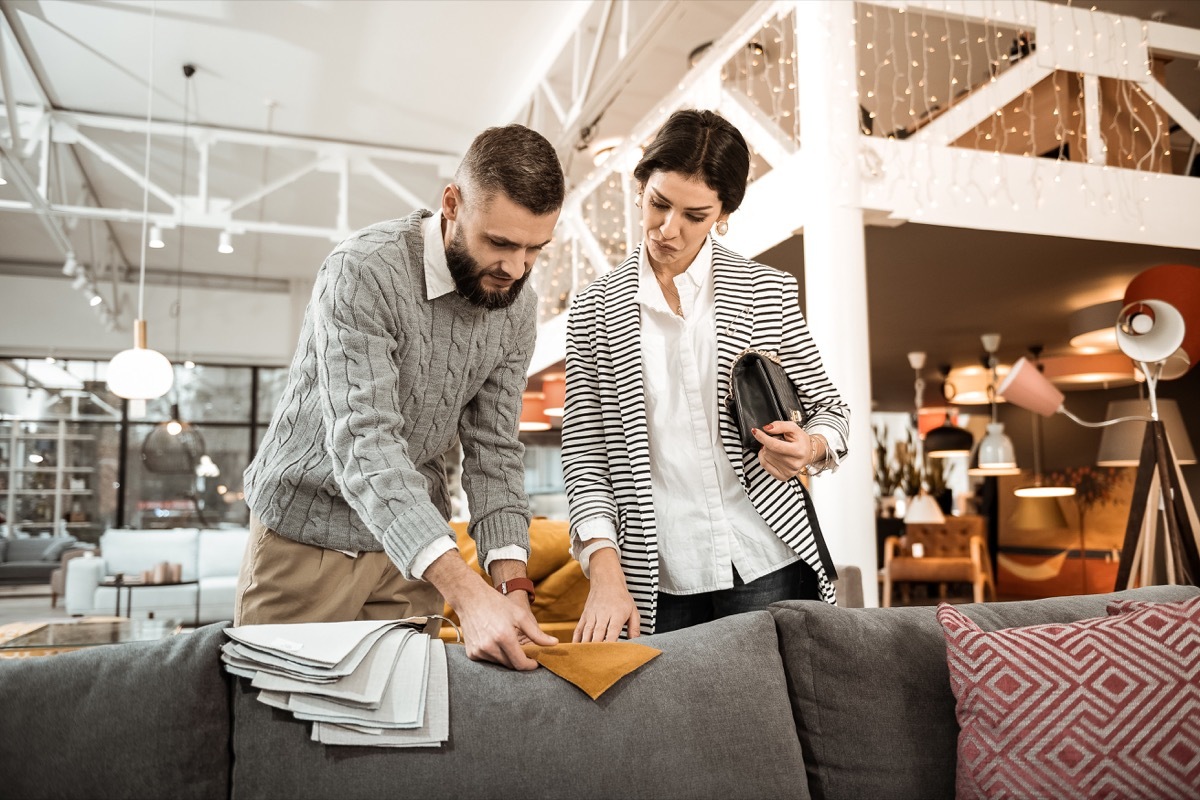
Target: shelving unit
x=46 y=475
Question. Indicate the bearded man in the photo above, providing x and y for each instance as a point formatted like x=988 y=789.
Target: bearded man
x=418 y=333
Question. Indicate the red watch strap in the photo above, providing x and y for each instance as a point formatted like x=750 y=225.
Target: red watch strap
x=516 y=585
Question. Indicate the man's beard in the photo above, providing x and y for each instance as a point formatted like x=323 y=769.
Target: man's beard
x=468 y=277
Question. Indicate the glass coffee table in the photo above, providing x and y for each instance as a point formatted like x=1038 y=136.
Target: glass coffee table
x=58 y=637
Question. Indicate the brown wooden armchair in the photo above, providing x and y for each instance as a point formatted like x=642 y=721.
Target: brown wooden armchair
x=953 y=552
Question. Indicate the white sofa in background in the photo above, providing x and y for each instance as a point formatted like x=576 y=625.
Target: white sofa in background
x=210 y=556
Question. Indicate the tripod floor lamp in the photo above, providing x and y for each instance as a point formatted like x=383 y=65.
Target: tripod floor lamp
x=1162 y=535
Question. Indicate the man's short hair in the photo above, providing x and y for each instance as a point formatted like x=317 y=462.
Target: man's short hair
x=516 y=161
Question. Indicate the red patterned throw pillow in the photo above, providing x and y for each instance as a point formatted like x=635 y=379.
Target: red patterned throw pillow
x=1103 y=708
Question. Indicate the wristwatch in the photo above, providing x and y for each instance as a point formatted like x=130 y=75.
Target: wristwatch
x=516 y=585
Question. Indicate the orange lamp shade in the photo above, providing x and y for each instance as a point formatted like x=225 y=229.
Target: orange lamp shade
x=533 y=412
x=930 y=418
x=1087 y=370
x=1179 y=285
x=554 y=390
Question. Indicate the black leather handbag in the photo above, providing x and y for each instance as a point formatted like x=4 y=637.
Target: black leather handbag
x=760 y=392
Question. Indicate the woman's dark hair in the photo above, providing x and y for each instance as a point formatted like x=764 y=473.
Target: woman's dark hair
x=703 y=145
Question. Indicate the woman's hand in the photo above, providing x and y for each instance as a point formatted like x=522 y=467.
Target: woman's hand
x=609 y=606
x=787 y=457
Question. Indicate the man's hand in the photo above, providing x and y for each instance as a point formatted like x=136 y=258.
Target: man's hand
x=493 y=625
x=785 y=458
x=609 y=606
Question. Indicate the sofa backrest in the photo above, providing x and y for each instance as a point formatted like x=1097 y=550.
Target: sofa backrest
x=219 y=552
x=870 y=689
x=148 y=719
x=132 y=551
x=708 y=718
x=34 y=548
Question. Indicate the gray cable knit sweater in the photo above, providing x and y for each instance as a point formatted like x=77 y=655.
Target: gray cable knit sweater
x=382 y=382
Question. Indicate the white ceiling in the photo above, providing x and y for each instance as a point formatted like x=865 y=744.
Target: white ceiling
x=428 y=76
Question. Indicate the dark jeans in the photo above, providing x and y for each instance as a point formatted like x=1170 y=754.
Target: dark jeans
x=796 y=581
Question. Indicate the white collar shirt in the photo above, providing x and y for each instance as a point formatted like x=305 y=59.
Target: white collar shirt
x=706 y=525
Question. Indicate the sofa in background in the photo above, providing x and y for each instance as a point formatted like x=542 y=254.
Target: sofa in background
x=210 y=556
x=31 y=559
x=803 y=700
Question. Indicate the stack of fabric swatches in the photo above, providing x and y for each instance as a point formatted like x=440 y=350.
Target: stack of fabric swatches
x=375 y=683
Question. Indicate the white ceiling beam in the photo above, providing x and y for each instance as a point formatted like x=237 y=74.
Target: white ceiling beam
x=717 y=55
x=986 y=190
x=760 y=131
x=552 y=99
x=391 y=184
x=219 y=135
x=36 y=203
x=585 y=86
x=978 y=105
x=215 y=221
x=10 y=103
x=1175 y=109
x=114 y=161
x=274 y=186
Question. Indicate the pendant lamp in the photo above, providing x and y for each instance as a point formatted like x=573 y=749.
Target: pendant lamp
x=139 y=373
x=948 y=439
x=994 y=455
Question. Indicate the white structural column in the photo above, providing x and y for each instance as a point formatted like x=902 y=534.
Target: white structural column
x=835 y=271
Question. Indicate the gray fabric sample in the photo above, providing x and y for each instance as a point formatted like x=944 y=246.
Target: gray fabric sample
x=143 y=720
x=708 y=718
x=870 y=689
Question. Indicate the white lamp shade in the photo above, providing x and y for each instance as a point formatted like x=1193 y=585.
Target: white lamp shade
x=140 y=374
x=1151 y=331
x=1121 y=444
x=924 y=509
x=996 y=455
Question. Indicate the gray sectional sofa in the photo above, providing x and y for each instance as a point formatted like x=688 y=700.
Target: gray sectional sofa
x=31 y=559
x=804 y=700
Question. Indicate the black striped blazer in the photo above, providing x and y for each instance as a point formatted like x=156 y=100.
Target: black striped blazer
x=606 y=456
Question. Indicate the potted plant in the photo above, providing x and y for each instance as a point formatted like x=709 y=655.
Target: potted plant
x=1094 y=487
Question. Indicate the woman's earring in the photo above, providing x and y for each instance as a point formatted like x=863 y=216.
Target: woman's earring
x=637 y=201
x=722 y=227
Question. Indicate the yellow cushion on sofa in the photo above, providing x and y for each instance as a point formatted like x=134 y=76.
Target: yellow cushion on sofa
x=562 y=595
x=559 y=586
x=549 y=546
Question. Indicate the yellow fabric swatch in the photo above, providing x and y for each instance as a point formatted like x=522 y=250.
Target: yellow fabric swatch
x=593 y=666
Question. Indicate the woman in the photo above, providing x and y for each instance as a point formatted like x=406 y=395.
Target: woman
x=673 y=521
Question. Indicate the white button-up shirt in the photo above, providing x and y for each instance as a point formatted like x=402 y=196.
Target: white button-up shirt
x=706 y=524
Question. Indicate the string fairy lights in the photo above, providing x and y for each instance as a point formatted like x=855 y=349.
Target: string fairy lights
x=912 y=65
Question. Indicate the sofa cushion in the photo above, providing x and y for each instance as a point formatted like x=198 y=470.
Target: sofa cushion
x=149 y=719
x=28 y=548
x=707 y=718
x=1100 y=707
x=870 y=688
x=57 y=547
x=132 y=551
x=549 y=546
x=562 y=595
x=219 y=552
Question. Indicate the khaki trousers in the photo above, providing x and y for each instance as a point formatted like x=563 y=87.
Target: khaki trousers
x=285 y=581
